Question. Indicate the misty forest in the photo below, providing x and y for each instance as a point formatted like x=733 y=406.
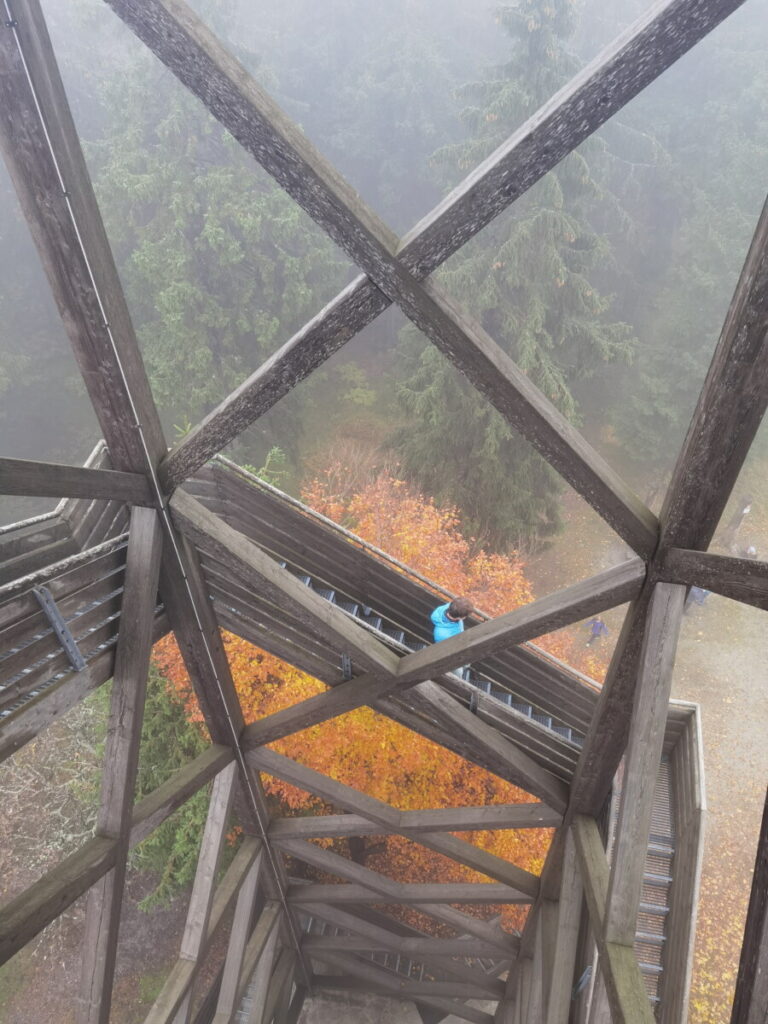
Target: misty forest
x=607 y=283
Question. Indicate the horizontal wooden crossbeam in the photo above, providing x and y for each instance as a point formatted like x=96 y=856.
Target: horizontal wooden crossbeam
x=449 y=819
x=373 y=925
x=741 y=579
x=487 y=988
x=408 y=894
x=53 y=480
x=376 y=810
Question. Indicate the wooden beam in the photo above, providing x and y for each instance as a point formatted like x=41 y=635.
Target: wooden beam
x=482 y=934
x=741 y=579
x=376 y=810
x=201 y=900
x=121 y=760
x=751 y=999
x=448 y=819
x=627 y=998
x=406 y=988
x=607 y=589
x=35 y=908
x=608 y=733
x=646 y=738
x=227 y=1002
x=567 y=937
x=414 y=948
x=282 y=979
x=614 y=586
x=621 y=71
x=40 y=182
x=255 y=567
x=729 y=411
x=173 y=32
x=52 y=480
x=467 y=735
x=405 y=893
x=157 y=806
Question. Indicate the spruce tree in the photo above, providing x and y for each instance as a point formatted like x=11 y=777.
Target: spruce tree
x=528 y=279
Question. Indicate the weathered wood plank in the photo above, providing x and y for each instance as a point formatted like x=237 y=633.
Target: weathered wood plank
x=157 y=806
x=410 y=989
x=252 y=566
x=646 y=738
x=73 y=279
x=614 y=586
x=412 y=947
x=48 y=479
x=410 y=893
x=201 y=900
x=623 y=982
x=751 y=999
x=41 y=903
x=449 y=819
x=611 y=587
x=466 y=734
x=343 y=796
x=370 y=924
x=121 y=759
x=567 y=936
x=238 y=938
x=741 y=579
x=344 y=982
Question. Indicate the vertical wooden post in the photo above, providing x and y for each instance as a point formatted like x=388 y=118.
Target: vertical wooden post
x=646 y=739
x=568 y=920
x=205 y=877
x=238 y=938
x=121 y=758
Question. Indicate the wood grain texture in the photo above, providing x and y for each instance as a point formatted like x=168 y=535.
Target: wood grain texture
x=49 y=479
x=449 y=819
x=729 y=411
x=643 y=755
x=741 y=579
x=32 y=910
x=626 y=994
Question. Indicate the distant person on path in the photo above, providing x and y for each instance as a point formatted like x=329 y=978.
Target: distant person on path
x=448 y=619
x=597 y=630
x=696 y=595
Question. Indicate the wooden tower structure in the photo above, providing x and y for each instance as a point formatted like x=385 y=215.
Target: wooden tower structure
x=148 y=540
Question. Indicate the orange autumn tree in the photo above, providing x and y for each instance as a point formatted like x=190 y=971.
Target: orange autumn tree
x=362 y=748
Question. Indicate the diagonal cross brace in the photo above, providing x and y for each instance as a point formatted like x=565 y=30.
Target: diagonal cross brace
x=60 y=628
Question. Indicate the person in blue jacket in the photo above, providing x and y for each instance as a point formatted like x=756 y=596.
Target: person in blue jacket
x=448 y=619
